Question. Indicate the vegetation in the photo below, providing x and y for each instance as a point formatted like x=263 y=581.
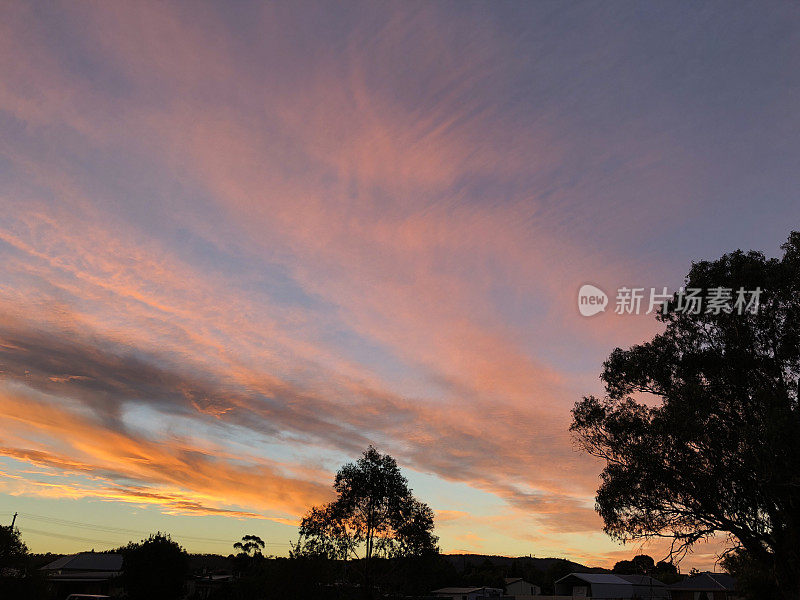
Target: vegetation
x=752 y=581
x=17 y=578
x=492 y=571
x=408 y=577
x=700 y=427
x=13 y=551
x=642 y=564
x=373 y=516
x=257 y=577
x=154 y=569
x=251 y=545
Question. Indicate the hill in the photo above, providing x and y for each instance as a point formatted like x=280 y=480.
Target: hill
x=464 y=561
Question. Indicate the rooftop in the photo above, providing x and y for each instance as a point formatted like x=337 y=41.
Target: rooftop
x=706 y=582
x=86 y=561
x=607 y=578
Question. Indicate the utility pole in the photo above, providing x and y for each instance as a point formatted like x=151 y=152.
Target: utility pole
x=13 y=520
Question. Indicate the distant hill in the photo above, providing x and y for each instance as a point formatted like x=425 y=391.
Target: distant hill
x=462 y=561
x=220 y=563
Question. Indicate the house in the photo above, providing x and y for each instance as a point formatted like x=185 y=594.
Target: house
x=646 y=587
x=607 y=586
x=705 y=586
x=469 y=593
x=84 y=573
x=205 y=586
x=517 y=587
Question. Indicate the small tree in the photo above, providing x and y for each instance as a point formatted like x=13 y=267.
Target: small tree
x=155 y=568
x=374 y=515
x=251 y=545
x=641 y=564
x=666 y=572
x=17 y=578
x=13 y=551
x=250 y=557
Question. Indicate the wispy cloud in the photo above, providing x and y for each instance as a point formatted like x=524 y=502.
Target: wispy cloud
x=240 y=244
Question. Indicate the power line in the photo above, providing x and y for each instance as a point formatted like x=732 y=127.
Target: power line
x=68 y=537
x=108 y=528
x=120 y=530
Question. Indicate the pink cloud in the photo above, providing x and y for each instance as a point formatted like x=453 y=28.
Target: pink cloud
x=362 y=198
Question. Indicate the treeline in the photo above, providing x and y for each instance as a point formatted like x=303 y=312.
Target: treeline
x=19 y=575
x=264 y=577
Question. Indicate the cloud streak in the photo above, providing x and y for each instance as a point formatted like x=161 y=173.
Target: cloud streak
x=239 y=245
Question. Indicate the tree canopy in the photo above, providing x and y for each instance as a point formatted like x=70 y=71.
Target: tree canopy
x=700 y=427
x=374 y=515
x=251 y=545
x=155 y=568
x=643 y=564
x=13 y=551
x=17 y=578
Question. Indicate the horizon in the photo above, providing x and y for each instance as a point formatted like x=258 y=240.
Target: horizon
x=241 y=243
x=270 y=556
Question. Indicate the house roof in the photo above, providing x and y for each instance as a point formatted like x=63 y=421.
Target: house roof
x=608 y=585
x=602 y=578
x=512 y=580
x=706 y=582
x=86 y=561
x=83 y=576
x=642 y=580
x=457 y=590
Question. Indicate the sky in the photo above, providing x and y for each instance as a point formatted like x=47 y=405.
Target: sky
x=240 y=242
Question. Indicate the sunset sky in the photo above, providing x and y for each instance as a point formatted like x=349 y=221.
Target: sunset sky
x=239 y=242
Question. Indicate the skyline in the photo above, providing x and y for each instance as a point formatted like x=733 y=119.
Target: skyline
x=241 y=243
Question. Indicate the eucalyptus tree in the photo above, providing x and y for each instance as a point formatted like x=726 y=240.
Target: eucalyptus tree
x=374 y=515
x=699 y=427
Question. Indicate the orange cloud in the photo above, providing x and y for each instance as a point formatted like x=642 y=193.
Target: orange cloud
x=144 y=285
x=179 y=476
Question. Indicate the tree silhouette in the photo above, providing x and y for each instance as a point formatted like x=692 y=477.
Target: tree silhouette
x=251 y=545
x=17 y=578
x=751 y=580
x=154 y=569
x=374 y=515
x=13 y=551
x=716 y=448
x=641 y=564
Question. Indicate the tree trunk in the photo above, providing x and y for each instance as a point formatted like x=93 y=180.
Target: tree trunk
x=788 y=576
x=367 y=561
